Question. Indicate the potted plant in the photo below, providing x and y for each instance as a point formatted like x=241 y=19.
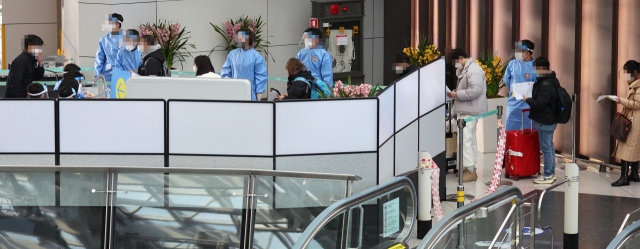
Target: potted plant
x=172 y=39
x=342 y=91
x=230 y=28
x=494 y=69
x=424 y=53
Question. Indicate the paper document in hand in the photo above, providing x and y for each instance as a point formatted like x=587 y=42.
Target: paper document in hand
x=520 y=89
x=611 y=97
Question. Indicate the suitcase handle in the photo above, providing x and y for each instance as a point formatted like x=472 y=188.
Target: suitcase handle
x=523 y=111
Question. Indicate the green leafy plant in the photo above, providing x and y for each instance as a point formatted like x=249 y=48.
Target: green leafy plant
x=172 y=38
x=230 y=28
x=494 y=69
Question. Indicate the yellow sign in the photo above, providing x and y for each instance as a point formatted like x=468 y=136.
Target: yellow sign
x=398 y=246
x=328 y=32
x=121 y=89
x=355 y=29
x=341 y=30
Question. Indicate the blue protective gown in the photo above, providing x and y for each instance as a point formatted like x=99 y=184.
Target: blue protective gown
x=517 y=72
x=319 y=62
x=129 y=60
x=247 y=64
x=106 y=56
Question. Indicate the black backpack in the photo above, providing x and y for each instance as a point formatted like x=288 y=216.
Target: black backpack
x=562 y=110
x=166 y=72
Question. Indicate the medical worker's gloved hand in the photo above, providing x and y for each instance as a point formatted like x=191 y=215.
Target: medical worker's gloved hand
x=259 y=96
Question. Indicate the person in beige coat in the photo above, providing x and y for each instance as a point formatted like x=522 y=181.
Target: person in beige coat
x=629 y=152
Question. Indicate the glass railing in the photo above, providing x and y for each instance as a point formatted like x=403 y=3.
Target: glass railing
x=628 y=238
x=129 y=207
x=380 y=217
x=495 y=219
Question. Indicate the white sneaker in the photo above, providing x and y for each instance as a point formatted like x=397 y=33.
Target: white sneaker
x=545 y=179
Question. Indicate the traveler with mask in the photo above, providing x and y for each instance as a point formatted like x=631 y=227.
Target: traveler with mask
x=470 y=100
x=629 y=152
x=315 y=58
x=245 y=62
x=543 y=105
x=129 y=57
x=203 y=67
x=108 y=47
x=519 y=70
x=153 y=62
x=402 y=65
x=25 y=68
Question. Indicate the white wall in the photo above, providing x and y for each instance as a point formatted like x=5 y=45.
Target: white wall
x=286 y=19
x=41 y=20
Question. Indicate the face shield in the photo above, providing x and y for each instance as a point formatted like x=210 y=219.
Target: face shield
x=44 y=92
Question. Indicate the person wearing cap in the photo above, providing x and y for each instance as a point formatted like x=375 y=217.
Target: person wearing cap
x=108 y=46
x=25 y=68
x=317 y=60
x=129 y=57
x=36 y=91
x=519 y=70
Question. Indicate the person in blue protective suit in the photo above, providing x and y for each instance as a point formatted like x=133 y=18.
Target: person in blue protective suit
x=129 y=58
x=246 y=63
x=317 y=60
x=108 y=46
x=519 y=70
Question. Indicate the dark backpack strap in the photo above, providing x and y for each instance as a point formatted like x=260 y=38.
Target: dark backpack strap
x=162 y=64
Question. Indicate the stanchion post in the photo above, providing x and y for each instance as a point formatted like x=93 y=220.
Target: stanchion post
x=571 y=195
x=461 y=228
x=424 y=189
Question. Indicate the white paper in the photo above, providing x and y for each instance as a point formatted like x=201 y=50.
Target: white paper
x=522 y=89
x=446 y=96
x=342 y=40
x=611 y=97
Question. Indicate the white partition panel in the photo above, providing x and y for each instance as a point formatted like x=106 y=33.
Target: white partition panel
x=327 y=126
x=28 y=126
x=188 y=88
x=112 y=126
x=221 y=128
x=432 y=86
x=407 y=100
x=387 y=114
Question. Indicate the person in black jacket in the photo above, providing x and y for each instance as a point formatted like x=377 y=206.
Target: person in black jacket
x=25 y=68
x=543 y=102
x=402 y=65
x=297 y=89
x=153 y=60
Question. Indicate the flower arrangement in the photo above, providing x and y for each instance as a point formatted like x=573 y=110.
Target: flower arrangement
x=230 y=29
x=494 y=70
x=425 y=52
x=172 y=39
x=342 y=90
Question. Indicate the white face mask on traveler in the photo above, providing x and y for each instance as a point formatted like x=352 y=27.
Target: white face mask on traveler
x=195 y=69
x=458 y=65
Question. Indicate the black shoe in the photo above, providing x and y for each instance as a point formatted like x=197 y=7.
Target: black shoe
x=633 y=177
x=624 y=171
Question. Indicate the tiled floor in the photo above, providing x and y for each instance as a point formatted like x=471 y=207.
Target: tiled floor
x=594 y=186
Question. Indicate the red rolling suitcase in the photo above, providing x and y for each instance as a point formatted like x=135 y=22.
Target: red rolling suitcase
x=522 y=150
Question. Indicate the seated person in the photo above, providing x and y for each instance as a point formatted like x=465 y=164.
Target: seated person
x=203 y=67
x=71 y=71
x=66 y=92
x=153 y=62
x=129 y=58
x=36 y=91
x=75 y=85
x=299 y=84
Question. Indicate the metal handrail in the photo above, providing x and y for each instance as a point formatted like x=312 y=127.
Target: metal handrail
x=506 y=219
x=357 y=200
x=544 y=192
x=626 y=218
x=454 y=218
x=180 y=170
x=624 y=236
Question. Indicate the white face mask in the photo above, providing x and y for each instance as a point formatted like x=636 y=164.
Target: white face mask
x=195 y=69
x=628 y=77
x=108 y=27
x=36 y=51
x=519 y=56
x=458 y=65
x=130 y=47
x=399 y=69
x=308 y=43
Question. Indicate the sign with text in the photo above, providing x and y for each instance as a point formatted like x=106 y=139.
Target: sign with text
x=342 y=39
x=313 y=23
x=391 y=217
x=119 y=83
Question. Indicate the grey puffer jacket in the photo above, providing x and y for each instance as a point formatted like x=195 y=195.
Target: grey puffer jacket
x=471 y=90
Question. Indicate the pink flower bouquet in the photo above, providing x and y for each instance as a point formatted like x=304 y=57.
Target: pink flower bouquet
x=172 y=39
x=342 y=90
x=229 y=29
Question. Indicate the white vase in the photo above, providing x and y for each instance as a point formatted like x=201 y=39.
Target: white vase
x=487 y=128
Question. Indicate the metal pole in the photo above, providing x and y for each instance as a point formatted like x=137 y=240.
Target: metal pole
x=460 y=193
x=532 y=224
x=571 y=198
x=573 y=128
x=424 y=200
